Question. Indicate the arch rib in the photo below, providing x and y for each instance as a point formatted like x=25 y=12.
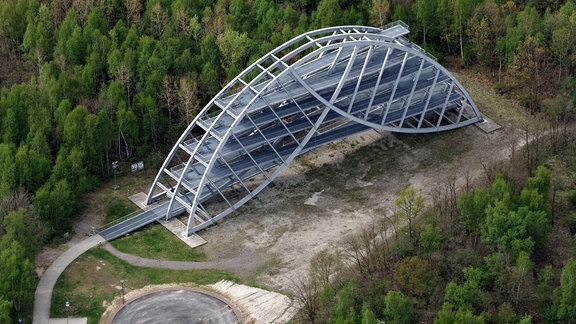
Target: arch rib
x=317 y=88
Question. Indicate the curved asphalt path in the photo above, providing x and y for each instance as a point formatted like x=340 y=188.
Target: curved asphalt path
x=231 y=264
x=43 y=294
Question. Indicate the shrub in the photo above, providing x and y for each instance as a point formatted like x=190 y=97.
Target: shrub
x=572 y=197
x=572 y=225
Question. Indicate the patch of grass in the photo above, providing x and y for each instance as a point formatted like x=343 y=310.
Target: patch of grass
x=448 y=153
x=270 y=267
x=156 y=242
x=92 y=281
x=117 y=209
x=489 y=102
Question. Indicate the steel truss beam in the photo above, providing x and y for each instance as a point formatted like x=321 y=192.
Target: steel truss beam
x=317 y=88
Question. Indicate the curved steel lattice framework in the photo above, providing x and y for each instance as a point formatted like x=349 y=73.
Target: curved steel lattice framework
x=317 y=88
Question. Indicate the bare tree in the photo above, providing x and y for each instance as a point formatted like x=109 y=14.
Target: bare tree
x=213 y=22
x=190 y=27
x=14 y=200
x=20 y=199
x=58 y=10
x=367 y=252
x=379 y=11
x=159 y=19
x=133 y=11
x=126 y=76
x=306 y=291
x=324 y=265
x=83 y=9
x=189 y=102
x=444 y=198
x=169 y=97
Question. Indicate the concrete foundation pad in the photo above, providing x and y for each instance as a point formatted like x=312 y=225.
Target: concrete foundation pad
x=488 y=125
x=173 y=225
x=140 y=200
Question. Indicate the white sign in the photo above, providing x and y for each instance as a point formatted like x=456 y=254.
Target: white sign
x=137 y=166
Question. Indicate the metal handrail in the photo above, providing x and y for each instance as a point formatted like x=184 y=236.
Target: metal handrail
x=120 y=220
x=394 y=24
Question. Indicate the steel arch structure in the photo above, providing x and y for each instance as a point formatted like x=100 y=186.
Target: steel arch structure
x=317 y=88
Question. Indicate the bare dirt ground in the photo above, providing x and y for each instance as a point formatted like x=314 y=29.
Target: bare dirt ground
x=327 y=195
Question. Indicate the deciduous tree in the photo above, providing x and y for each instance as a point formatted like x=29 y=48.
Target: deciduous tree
x=8 y=176
x=530 y=67
x=425 y=10
x=328 y=13
x=368 y=316
x=449 y=315
x=13 y=21
x=463 y=10
x=158 y=20
x=413 y=275
x=379 y=12
x=503 y=229
x=133 y=11
x=398 y=308
x=188 y=97
x=5 y=307
x=565 y=294
x=234 y=48
x=38 y=38
x=344 y=311
x=17 y=281
x=472 y=207
x=410 y=206
x=430 y=239
x=324 y=265
x=54 y=203
x=485 y=28
x=83 y=8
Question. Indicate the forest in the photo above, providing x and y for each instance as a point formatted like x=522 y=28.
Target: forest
x=85 y=83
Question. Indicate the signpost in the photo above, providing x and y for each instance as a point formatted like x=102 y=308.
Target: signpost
x=67 y=311
x=122 y=284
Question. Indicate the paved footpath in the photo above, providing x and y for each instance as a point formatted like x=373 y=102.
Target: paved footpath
x=227 y=264
x=43 y=294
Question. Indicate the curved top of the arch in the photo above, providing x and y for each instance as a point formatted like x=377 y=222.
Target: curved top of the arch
x=317 y=88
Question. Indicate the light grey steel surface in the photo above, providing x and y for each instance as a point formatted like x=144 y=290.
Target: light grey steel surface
x=317 y=88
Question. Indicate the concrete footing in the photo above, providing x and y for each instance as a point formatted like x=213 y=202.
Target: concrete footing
x=488 y=125
x=174 y=225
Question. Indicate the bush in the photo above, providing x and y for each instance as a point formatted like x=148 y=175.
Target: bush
x=572 y=197
x=572 y=225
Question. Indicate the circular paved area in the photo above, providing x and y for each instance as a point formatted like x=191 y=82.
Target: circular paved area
x=176 y=306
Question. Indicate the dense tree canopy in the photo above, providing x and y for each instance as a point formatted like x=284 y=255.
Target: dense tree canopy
x=86 y=83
